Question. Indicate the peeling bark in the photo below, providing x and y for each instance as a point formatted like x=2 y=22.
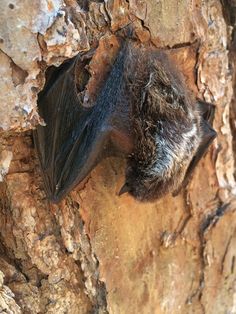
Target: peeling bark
x=96 y=252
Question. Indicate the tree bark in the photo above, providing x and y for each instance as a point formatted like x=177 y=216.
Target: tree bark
x=96 y=252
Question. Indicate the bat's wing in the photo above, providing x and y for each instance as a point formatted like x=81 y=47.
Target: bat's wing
x=207 y=111
x=76 y=138
x=66 y=121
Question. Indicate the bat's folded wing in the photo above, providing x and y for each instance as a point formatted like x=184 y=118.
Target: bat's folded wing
x=76 y=137
x=68 y=146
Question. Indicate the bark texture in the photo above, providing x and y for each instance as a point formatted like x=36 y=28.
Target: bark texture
x=96 y=252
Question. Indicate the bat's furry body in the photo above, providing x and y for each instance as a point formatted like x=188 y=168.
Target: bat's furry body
x=143 y=111
x=168 y=124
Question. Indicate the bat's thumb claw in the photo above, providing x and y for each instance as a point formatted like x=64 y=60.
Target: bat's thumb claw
x=125 y=188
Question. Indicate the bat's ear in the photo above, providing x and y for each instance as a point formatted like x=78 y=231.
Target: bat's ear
x=208 y=134
x=207 y=110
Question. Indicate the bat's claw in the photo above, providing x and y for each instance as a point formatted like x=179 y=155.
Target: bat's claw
x=125 y=189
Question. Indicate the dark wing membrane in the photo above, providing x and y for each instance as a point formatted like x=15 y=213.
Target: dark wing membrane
x=66 y=132
x=76 y=138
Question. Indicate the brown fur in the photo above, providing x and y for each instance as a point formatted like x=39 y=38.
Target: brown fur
x=166 y=123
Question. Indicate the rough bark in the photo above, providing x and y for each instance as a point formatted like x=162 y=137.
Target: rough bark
x=96 y=252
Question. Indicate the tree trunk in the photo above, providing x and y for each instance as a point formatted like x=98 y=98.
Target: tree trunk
x=96 y=252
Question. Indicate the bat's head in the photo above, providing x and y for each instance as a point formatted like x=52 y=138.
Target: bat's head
x=172 y=133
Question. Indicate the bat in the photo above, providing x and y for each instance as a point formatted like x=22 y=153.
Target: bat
x=143 y=112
